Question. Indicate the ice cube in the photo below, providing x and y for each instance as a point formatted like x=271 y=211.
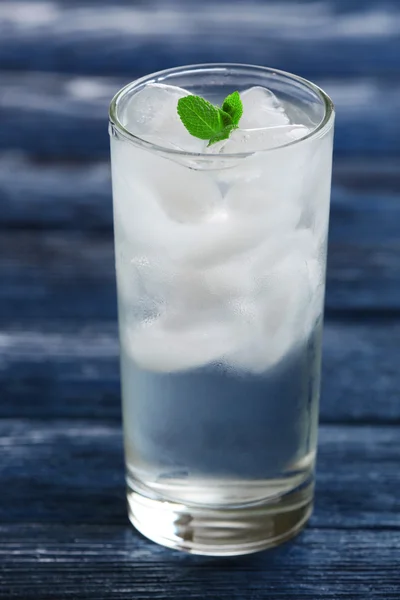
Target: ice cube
x=152 y=115
x=153 y=108
x=284 y=168
x=166 y=209
x=268 y=187
x=261 y=108
x=243 y=275
x=188 y=297
x=247 y=313
x=284 y=309
x=231 y=279
x=255 y=140
x=159 y=347
x=148 y=184
x=267 y=201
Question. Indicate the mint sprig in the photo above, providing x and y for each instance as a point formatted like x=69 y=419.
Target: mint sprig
x=234 y=107
x=208 y=122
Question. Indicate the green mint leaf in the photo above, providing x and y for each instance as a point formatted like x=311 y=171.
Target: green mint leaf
x=233 y=106
x=200 y=117
x=226 y=118
x=222 y=135
x=208 y=122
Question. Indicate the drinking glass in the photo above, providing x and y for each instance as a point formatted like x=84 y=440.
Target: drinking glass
x=220 y=262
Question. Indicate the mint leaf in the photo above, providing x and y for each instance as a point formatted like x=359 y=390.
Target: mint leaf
x=226 y=118
x=222 y=135
x=208 y=122
x=200 y=117
x=233 y=106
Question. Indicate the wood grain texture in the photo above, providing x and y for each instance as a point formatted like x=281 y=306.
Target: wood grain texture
x=103 y=562
x=71 y=276
x=72 y=472
x=68 y=196
x=77 y=196
x=73 y=372
x=130 y=38
x=63 y=526
x=65 y=116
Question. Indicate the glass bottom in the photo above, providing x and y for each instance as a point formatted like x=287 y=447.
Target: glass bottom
x=218 y=531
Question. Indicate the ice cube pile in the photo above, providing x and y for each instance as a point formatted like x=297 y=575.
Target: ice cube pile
x=224 y=263
x=152 y=115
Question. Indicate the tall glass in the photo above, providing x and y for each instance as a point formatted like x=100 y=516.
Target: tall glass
x=220 y=263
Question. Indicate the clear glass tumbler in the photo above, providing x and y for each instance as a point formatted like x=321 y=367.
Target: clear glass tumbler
x=220 y=261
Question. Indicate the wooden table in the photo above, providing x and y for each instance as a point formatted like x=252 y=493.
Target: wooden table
x=63 y=526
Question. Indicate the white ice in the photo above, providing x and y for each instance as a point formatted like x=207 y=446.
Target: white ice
x=221 y=258
x=261 y=108
x=179 y=213
x=247 y=315
x=265 y=124
x=158 y=347
x=283 y=309
x=255 y=140
x=152 y=114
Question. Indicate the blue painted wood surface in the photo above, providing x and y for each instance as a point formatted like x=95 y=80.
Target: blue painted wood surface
x=63 y=525
x=311 y=38
x=59 y=116
x=99 y=562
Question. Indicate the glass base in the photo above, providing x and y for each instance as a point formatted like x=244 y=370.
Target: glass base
x=221 y=531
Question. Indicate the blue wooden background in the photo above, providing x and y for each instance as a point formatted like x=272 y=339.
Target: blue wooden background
x=63 y=526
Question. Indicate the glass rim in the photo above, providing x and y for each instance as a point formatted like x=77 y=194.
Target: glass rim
x=324 y=125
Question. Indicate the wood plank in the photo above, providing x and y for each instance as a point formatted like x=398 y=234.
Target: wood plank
x=72 y=472
x=54 y=195
x=309 y=38
x=71 y=276
x=67 y=195
x=63 y=116
x=73 y=372
x=365 y=174
x=98 y=563
x=364 y=249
